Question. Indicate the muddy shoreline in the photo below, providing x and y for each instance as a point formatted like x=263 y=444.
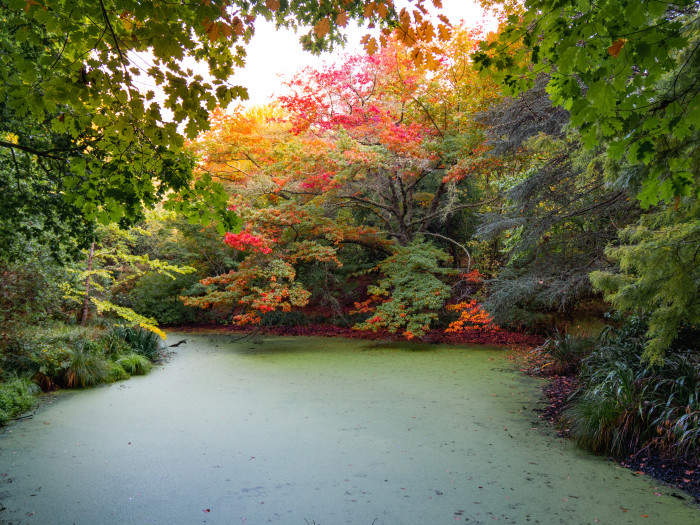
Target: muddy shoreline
x=475 y=337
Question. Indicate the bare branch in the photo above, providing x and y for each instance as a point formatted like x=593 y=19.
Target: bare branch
x=469 y=257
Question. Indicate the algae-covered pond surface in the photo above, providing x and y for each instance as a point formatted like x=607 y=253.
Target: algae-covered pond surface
x=307 y=430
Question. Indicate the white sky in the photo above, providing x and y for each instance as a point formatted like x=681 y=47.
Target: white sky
x=276 y=55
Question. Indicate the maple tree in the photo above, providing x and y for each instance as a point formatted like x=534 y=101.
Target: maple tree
x=276 y=241
x=410 y=292
x=110 y=261
x=361 y=153
x=391 y=134
x=472 y=316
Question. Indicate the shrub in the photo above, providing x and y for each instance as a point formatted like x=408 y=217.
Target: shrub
x=16 y=396
x=52 y=357
x=30 y=289
x=134 y=364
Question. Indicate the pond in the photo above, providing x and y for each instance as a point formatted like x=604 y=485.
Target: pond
x=314 y=430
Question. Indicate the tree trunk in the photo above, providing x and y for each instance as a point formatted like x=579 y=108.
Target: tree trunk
x=86 y=301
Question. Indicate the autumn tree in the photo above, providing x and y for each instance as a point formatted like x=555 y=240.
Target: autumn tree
x=367 y=153
x=392 y=135
x=277 y=241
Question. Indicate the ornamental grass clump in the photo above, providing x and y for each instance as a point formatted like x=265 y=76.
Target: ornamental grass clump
x=625 y=405
x=674 y=405
x=117 y=372
x=113 y=345
x=87 y=366
x=134 y=364
x=562 y=354
x=141 y=341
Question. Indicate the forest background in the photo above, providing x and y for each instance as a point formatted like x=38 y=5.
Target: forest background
x=535 y=180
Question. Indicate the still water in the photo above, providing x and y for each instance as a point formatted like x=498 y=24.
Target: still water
x=312 y=430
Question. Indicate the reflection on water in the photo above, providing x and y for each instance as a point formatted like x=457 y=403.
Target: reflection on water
x=298 y=430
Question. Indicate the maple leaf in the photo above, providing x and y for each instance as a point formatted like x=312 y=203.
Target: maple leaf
x=616 y=47
x=272 y=5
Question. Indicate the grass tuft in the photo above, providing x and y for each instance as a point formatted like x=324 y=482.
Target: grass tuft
x=134 y=364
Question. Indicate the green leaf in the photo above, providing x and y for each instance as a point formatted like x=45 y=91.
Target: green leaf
x=616 y=149
x=641 y=152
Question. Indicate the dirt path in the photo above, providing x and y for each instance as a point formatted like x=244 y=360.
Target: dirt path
x=311 y=430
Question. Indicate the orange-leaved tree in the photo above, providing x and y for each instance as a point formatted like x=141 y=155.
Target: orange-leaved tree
x=360 y=153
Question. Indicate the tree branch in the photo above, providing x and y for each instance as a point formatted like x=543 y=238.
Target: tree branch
x=28 y=149
x=469 y=257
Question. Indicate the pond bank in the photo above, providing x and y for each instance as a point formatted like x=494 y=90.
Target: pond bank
x=679 y=472
x=314 y=430
x=496 y=337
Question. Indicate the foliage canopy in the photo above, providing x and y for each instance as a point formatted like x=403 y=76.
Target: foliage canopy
x=627 y=71
x=79 y=104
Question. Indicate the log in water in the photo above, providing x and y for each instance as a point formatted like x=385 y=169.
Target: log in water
x=313 y=430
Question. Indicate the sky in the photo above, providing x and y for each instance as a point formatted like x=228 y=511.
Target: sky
x=276 y=55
